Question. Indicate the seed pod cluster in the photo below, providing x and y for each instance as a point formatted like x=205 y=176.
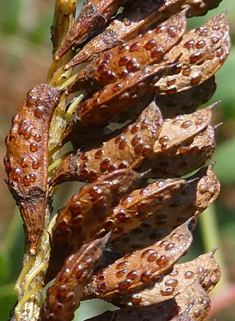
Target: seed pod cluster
x=26 y=160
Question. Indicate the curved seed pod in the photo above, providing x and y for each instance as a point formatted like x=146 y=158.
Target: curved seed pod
x=123 y=148
x=157 y=312
x=186 y=102
x=63 y=297
x=203 y=52
x=203 y=272
x=93 y=203
x=136 y=269
x=115 y=98
x=26 y=160
x=189 y=157
x=135 y=19
x=133 y=55
x=94 y=15
x=139 y=205
x=199 y=7
x=201 y=191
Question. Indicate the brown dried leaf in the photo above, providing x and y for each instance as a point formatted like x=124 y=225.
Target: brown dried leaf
x=201 y=191
x=134 y=20
x=124 y=148
x=189 y=157
x=186 y=102
x=203 y=271
x=93 y=203
x=135 y=270
x=26 y=160
x=63 y=297
x=94 y=15
x=133 y=55
x=203 y=52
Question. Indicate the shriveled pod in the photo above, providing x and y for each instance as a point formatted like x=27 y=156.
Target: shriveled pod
x=189 y=157
x=135 y=270
x=63 y=297
x=26 y=160
x=115 y=98
x=125 y=148
x=93 y=203
x=187 y=101
x=136 y=19
x=202 y=271
x=203 y=52
x=133 y=55
x=139 y=205
x=94 y=15
x=157 y=312
x=201 y=191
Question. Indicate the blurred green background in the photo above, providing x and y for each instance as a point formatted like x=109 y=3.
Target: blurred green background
x=25 y=55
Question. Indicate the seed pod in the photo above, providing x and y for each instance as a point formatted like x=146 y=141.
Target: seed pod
x=94 y=15
x=133 y=55
x=203 y=272
x=63 y=297
x=139 y=205
x=189 y=157
x=136 y=19
x=186 y=102
x=201 y=191
x=136 y=269
x=93 y=203
x=203 y=52
x=26 y=160
x=124 y=148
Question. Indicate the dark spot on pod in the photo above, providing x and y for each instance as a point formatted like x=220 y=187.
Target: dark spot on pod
x=197 y=313
x=132 y=65
x=171 y=282
x=104 y=164
x=167 y=291
x=121 y=265
x=39 y=111
x=150 y=44
x=145 y=150
x=138 y=148
x=132 y=275
x=32 y=177
x=186 y=124
x=146 y=276
x=169 y=246
x=123 y=60
x=200 y=44
x=99 y=153
x=195 y=57
x=135 y=140
x=121 y=216
x=62 y=291
x=147 y=253
x=93 y=174
x=188 y=274
x=58 y=308
x=26 y=180
x=16 y=174
x=75 y=208
x=172 y=31
x=126 y=200
x=174 y=273
x=162 y=260
x=219 y=52
x=35 y=164
x=77 y=220
x=152 y=257
x=136 y=299
x=189 y=44
x=157 y=53
x=117 y=87
x=170 y=81
x=112 y=168
x=124 y=284
x=122 y=144
x=33 y=147
x=135 y=47
x=163 y=139
x=196 y=78
x=119 y=274
x=134 y=129
x=123 y=165
x=118 y=139
x=204 y=32
x=101 y=287
x=214 y=40
x=194 y=150
x=24 y=162
x=186 y=72
x=37 y=138
x=108 y=74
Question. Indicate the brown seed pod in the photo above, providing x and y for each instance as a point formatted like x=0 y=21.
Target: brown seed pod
x=137 y=269
x=189 y=157
x=26 y=160
x=203 y=52
x=63 y=297
x=203 y=272
x=133 y=55
x=135 y=19
x=94 y=15
x=93 y=203
x=186 y=102
x=124 y=148
x=201 y=191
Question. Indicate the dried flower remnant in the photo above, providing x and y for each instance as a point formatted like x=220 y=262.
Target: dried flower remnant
x=63 y=297
x=26 y=160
